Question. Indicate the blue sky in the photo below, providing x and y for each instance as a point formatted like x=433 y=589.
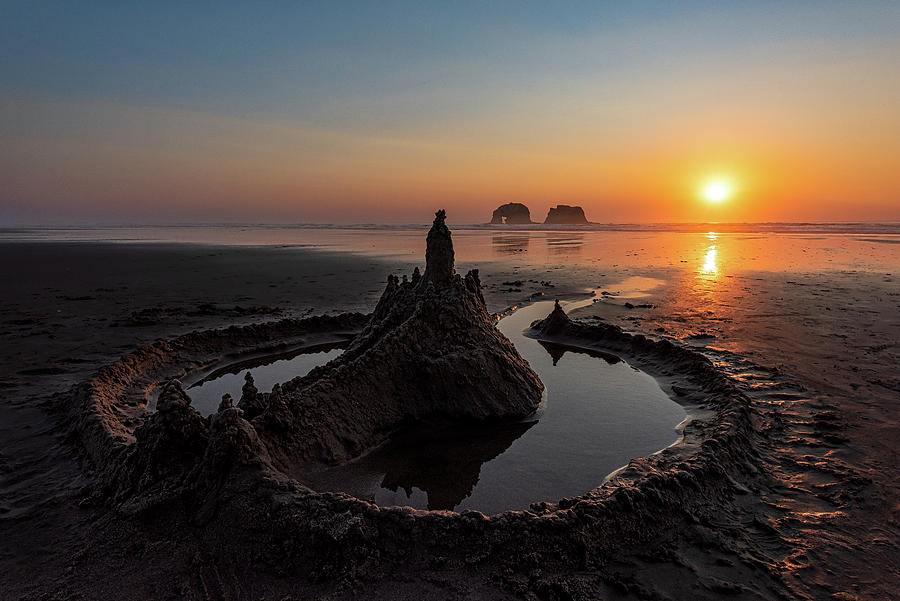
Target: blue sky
x=511 y=77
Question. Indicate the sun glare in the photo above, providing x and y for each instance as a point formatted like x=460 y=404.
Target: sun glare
x=717 y=190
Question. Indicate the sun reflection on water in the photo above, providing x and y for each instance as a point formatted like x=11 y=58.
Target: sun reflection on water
x=709 y=261
x=710 y=268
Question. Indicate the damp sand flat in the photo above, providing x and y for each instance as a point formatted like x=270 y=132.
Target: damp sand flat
x=823 y=311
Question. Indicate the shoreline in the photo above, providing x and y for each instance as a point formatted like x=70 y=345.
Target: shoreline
x=764 y=227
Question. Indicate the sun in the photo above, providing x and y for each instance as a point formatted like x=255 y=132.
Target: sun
x=717 y=190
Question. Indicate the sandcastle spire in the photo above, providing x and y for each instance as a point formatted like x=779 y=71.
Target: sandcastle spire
x=439 y=252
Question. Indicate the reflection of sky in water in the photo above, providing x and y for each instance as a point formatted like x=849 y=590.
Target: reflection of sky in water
x=764 y=251
x=206 y=395
x=632 y=287
x=564 y=243
x=508 y=243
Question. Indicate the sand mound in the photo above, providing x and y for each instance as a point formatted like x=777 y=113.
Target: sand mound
x=430 y=352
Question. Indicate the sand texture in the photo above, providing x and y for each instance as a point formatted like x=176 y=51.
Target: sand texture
x=784 y=485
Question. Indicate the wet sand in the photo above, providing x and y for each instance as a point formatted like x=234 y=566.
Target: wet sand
x=816 y=341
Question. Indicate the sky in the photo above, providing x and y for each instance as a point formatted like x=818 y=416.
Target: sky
x=381 y=112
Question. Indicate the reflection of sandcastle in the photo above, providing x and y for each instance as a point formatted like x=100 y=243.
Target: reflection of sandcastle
x=444 y=462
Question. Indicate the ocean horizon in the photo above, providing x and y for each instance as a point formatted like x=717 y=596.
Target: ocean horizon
x=151 y=231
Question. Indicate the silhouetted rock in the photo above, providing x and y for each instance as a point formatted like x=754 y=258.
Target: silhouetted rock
x=565 y=214
x=512 y=213
x=430 y=352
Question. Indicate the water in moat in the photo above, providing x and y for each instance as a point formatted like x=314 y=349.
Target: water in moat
x=599 y=412
x=267 y=371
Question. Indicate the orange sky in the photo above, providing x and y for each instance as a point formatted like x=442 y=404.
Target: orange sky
x=798 y=109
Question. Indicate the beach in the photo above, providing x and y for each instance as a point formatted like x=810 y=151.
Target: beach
x=806 y=325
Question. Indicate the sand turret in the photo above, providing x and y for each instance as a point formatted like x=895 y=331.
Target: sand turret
x=439 y=256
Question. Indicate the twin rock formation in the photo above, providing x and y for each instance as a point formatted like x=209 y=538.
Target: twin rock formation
x=515 y=213
x=430 y=353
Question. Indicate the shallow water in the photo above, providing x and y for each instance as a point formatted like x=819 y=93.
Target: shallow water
x=710 y=250
x=207 y=393
x=599 y=413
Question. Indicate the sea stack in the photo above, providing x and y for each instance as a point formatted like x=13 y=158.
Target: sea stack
x=430 y=353
x=512 y=213
x=566 y=215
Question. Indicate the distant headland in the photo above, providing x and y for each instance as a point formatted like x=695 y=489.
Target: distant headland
x=516 y=213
